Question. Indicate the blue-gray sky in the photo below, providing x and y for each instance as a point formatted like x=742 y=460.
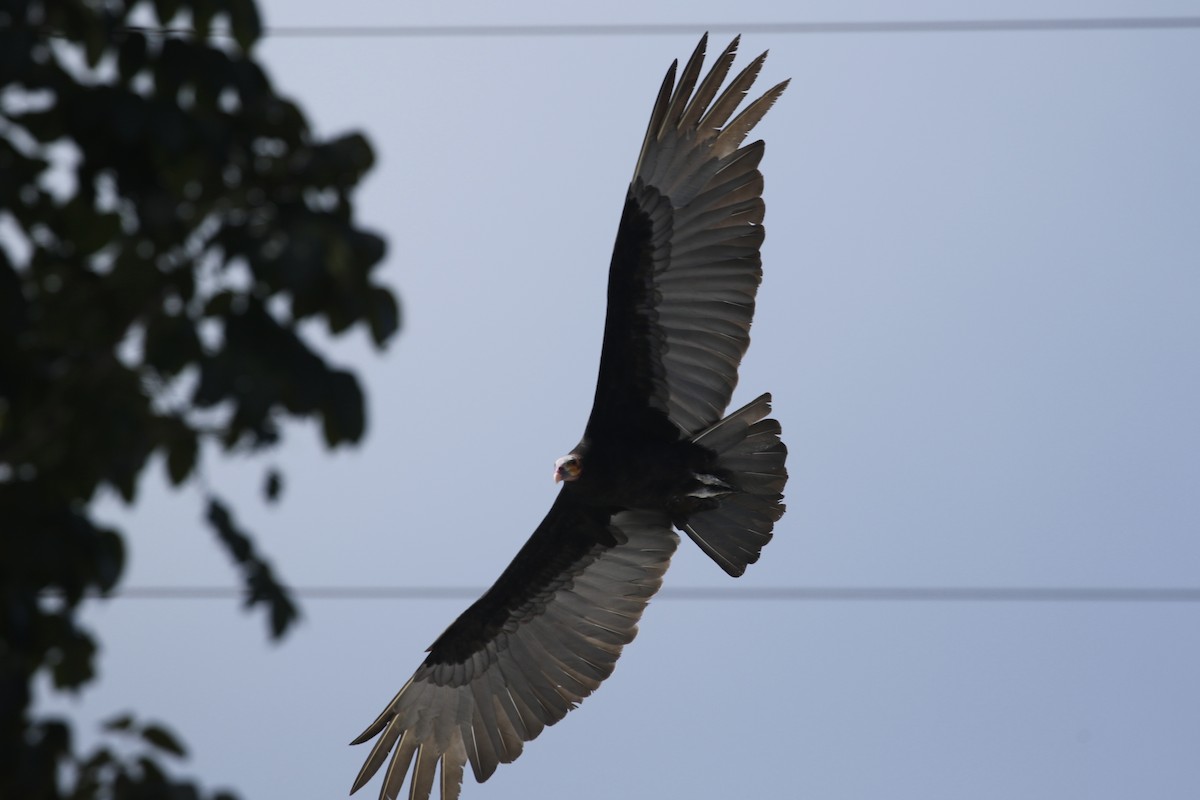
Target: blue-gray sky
x=980 y=322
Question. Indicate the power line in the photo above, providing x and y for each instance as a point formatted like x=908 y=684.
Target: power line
x=939 y=594
x=636 y=29
x=1020 y=25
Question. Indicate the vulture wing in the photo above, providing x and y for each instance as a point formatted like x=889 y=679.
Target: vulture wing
x=686 y=265
x=684 y=275
x=527 y=652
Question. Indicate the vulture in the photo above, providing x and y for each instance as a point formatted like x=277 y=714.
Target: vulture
x=658 y=454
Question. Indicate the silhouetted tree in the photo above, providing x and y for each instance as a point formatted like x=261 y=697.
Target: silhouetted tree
x=166 y=222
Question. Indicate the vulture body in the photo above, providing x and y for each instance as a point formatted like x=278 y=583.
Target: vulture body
x=657 y=454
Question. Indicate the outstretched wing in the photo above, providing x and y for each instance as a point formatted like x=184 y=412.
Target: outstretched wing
x=527 y=652
x=686 y=265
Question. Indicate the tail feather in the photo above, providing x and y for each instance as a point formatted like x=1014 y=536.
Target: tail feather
x=750 y=456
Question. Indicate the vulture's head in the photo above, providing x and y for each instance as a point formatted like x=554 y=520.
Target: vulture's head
x=568 y=468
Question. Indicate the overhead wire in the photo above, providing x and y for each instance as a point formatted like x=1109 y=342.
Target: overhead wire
x=995 y=25
x=1063 y=24
x=920 y=594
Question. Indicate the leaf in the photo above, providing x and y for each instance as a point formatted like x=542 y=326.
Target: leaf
x=94 y=44
x=171 y=343
x=181 y=456
x=369 y=249
x=45 y=125
x=166 y=10
x=220 y=304
x=384 y=314
x=354 y=153
x=203 y=12
x=14 y=308
x=49 y=742
x=216 y=380
x=162 y=739
x=245 y=23
x=265 y=589
x=108 y=557
x=153 y=780
x=284 y=614
x=95 y=230
x=273 y=485
x=260 y=582
x=343 y=412
x=131 y=57
x=72 y=659
x=173 y=68
x=251 y=83
x=121 y=722
x=236 y=542
x=125 y=482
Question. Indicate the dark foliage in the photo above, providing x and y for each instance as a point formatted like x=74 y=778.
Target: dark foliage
x=167 y=220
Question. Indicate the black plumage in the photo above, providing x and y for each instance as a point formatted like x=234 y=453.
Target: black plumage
x=656 y=454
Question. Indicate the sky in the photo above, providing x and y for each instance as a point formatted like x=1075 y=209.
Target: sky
x=978 y=319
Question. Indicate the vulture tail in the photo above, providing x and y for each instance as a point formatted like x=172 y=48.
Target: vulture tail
x=749 y=485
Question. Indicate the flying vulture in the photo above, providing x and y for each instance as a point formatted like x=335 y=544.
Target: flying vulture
x=658 y=453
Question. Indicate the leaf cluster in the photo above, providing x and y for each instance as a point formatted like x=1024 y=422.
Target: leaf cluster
x=170 y=227
x=127 y=767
